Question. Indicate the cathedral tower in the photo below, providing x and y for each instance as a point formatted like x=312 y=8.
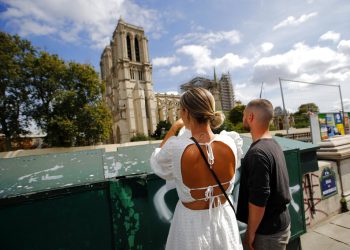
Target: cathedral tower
x=127 y=73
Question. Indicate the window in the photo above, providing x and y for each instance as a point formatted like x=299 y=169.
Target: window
x=140 y=75
x=137 y=50
x=128 y=44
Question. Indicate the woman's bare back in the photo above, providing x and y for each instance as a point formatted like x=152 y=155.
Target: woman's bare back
x=195 y=172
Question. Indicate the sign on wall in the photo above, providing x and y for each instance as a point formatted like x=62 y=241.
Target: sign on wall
x=328 y=183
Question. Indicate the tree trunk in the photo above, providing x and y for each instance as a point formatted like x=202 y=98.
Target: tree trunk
x=8 y=143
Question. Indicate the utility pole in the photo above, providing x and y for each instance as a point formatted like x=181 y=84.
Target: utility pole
x=261 y=89
x=342 y=105
x=313 y=83
x=284 y=107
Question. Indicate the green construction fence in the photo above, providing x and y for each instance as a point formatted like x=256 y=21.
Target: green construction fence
x=95 y=199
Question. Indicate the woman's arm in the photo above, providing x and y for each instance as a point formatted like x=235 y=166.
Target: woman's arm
x=172 y=131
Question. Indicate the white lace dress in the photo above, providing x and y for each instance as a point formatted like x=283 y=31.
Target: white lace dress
x=213 y=228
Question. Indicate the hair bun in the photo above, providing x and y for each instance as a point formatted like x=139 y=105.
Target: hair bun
x=217 y=119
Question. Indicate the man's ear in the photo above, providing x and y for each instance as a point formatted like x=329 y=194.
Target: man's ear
x=251 y=116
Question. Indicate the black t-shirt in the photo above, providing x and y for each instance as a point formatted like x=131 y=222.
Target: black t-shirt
x=265 y=183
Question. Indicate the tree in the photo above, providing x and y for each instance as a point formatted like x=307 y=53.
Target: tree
x=94 y=123
x=47 y=79
x=308 y=107
x=301 y=117
x=227 y=125
x=161 y=130
x=63 y=99
x=15 y=63
x=236 y=114
x=79 y=116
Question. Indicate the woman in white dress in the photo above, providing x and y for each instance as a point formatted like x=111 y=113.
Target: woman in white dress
x=203 y=218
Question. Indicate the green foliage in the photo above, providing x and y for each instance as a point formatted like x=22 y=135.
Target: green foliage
x=48 y=71
x=229 y=126
x=15 y=64
x=239 y=128
x=301 y=117
x=61 y=132
x=64 y=99
x=272 y=127
x=161 y=130
x=236 y=114
x=94 y=122
x=308 y=107
x=301 y=121
x=139 y=137
x=78 y=101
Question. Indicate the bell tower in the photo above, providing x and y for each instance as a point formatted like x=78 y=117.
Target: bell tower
x=127 y=73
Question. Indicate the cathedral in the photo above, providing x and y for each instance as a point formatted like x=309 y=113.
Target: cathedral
x=127 y=73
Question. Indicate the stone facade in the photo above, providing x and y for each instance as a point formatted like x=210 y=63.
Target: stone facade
x=126 y=70
x=168 y=107
x=127 y=73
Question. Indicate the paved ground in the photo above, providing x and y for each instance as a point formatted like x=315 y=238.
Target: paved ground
x=333 y=234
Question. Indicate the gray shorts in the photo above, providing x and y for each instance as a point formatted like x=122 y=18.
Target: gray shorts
x=277 y=241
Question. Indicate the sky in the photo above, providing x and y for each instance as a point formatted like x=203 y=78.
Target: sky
x=257 y=42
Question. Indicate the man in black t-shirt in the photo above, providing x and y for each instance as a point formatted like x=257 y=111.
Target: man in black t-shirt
x=264 y=185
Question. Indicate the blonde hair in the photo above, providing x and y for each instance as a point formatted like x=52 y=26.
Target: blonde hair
x=200 y=104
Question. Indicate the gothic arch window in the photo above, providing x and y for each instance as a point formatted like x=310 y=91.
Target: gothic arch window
x=140 y=75
x=128 y=45
x=137 y=50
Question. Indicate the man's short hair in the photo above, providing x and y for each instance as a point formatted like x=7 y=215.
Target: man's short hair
x=264 y=110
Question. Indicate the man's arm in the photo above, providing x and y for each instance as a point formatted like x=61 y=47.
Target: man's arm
x=255 y=216
x=259 y=192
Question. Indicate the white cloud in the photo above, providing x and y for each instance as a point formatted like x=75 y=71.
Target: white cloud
x=163 y=61
x=292 y=21
x=208 y=38
x=177 y=69
x=196 y=27
x=330 y=35
x=230 y=61
x=344 y=47
x=266 y=47
x=30 y=27
x=246 y=92
x=203 y=62
x=241 y=86
x=200 y=55
x=312 y=64
x=74 y=21
x=172 y=93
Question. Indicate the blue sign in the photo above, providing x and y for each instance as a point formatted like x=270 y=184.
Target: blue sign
x=328 y=183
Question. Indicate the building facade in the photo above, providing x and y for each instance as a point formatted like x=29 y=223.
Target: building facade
x=222 y=90
x=168 y=107
x=226 y=92
x=127 y=73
